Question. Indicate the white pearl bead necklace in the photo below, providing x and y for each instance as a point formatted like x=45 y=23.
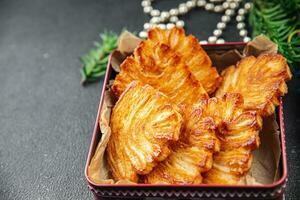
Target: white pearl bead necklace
x=169 y=19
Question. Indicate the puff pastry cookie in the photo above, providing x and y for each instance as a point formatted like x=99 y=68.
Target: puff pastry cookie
x=158 y=66
x=259 y=80
x=143 y=124
x=191 y=53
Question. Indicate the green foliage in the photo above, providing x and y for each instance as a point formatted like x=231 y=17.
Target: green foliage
x=95 y=62
x=280 y=21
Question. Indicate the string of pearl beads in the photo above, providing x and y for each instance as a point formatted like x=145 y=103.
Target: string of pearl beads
x=170 y=19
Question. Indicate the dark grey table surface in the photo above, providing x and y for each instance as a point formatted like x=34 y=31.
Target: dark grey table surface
x=47 y=117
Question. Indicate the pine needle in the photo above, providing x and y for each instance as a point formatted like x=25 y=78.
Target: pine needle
x=94 y=63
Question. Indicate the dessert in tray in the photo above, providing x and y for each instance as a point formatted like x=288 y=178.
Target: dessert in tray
x=178 y=121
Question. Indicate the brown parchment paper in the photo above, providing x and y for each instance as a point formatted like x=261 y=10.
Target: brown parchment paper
x=98 y=169
x=126 y=44
x=265 y=166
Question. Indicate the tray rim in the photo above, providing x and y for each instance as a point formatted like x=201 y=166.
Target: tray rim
x=277 y=183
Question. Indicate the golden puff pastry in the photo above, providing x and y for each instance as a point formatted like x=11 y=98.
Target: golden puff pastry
x=143 y=124
x=238 y=132
x=191 y=54
x=229 y=167
x=260 y=80
x=216 y=124
x=192 y=155
x=184 y=166
x=161 y=68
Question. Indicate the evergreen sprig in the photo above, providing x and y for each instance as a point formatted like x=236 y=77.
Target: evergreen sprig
x=94 y=63
x=280 y=21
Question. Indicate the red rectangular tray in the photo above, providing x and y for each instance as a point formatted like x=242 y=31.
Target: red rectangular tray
x=202 y=191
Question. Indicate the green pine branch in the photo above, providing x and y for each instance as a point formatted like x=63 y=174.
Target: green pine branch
x=94 y=63
x=280 y=21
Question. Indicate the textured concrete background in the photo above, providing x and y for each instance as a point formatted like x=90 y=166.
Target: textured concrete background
x=47 y=117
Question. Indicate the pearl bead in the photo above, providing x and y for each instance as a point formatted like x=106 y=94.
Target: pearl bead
x=203 y=42
x=225 y=18
x=212 y=39
x=217 y=32
x=229 y=12
x=218 y=9
x=155 y=20
x=170 y=25
x=182 y=9
x=209 y=6
x=247 y=6
x=243 y=32
x=201 y=3
x=190 y=4
x=240 y=18
x=174 y=11
x=162 y=26
x=147 y=26
x=155 y=13
x=182 y=5
x=240 y=25
x=147 y=9
x=154 y=25
x=173 y=19
x=241 y=11
x=143 y=34
x=164 y=15
x=225 y=5
x=180 y=24
x=220 y=41
x=221 y=25
x=247 y=39
x=146 y=3
x=233 y=5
